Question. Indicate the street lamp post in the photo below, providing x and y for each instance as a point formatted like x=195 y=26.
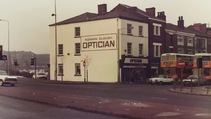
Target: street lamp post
x=8 y=58
x=55 y=15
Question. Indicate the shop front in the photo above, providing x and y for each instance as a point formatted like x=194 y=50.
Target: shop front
x=133 y=69
x=154 y=67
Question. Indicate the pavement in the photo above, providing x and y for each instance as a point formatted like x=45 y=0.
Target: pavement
x=118 y=107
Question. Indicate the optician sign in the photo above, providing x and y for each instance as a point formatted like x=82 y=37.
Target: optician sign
x=101 y=42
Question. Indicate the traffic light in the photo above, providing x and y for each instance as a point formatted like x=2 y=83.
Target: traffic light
x=32 y=61
x=15 y=62
x=1 y=50
x=199 y=62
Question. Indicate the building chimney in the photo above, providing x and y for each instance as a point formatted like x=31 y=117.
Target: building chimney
x=102 y=9
x=150 y=11
x=200 y=27
x=180 y=22
x=162 y=15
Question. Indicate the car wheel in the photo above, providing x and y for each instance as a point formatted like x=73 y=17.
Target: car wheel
x=161 y=83
x=1 y=83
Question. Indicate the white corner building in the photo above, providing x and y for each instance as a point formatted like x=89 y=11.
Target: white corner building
x=104 y=47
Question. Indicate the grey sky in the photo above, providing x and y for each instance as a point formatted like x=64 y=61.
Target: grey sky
x=29 y=19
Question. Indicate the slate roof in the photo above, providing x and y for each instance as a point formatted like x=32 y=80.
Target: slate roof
x=138 y=11
x=137 y=15
x=173 y=27
x=80 y=18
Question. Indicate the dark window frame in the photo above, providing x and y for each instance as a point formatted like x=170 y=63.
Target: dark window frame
x=129 y=29
x=60 y=49
x=77 y=31
x=140 y=30
x=129 y=48
x=60 y=69
x=141 y=49
x=77 y=69
x=77 y=49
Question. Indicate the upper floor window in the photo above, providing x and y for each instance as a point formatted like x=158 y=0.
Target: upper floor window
x=157 y=29
x=157 y=49
x=77 y=31
x=60 y=49
x=180 y=50
x=190 y=41
x=200 y=43
x=171 y=50
x=140 y=30
x=129 y=29
x=129 y=48
x=140 y=49
x=77 y=48
x=171 y=40
x=180 y=40
x=203 y=43
x=190 y=51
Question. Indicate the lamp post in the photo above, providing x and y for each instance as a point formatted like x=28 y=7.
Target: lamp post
x=8 y=59
x=55 y=15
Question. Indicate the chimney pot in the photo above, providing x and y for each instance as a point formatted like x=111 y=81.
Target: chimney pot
x=180 y=22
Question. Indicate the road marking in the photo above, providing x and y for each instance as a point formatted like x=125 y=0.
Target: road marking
x=134 y=104
x=168 y=114
x=203 y=115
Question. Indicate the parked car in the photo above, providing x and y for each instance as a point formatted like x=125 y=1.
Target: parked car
x=40 y=75
x=6 y=79
x=161 y=79
x=194 y=80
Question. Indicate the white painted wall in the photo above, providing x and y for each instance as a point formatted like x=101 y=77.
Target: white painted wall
x=102 y=63
x=135 y=39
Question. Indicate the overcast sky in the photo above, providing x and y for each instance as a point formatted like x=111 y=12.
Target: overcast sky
x=29 y=19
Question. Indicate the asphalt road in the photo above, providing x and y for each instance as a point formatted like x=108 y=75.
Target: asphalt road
x=18 y=109
x=139 y=92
